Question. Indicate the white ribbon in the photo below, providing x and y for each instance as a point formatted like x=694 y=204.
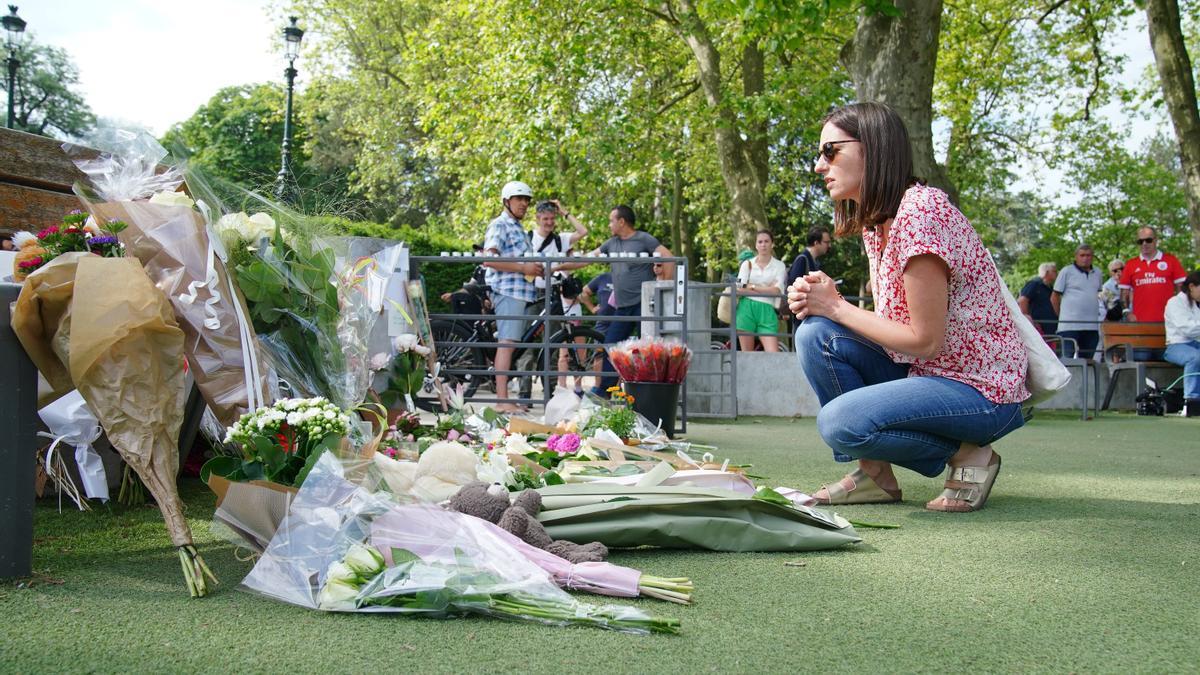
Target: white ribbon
x=69 y=419
x=212 y=280
x=706 y=458
x=62 y=479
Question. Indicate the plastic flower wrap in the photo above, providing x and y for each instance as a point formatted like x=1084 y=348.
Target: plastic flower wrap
x=171 y=234
x=651 y=360
x=314 y=303
x=344 y=548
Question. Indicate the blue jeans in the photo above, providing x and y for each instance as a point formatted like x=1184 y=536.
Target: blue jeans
x=1187 y=354
x=871 y=409
x=615 y=332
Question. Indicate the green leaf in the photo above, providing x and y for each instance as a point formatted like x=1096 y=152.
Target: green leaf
x=308 y=466
x=253 y=470
x=224 y=466
x=766 y=494
x=552 y=478
x=401 y=556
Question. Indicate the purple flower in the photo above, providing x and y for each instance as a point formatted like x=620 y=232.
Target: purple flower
x=102 y=241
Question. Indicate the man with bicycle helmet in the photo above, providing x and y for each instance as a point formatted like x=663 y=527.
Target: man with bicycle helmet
x=511 y=289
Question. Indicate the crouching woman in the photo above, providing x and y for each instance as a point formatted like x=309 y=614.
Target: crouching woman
x=936 y=373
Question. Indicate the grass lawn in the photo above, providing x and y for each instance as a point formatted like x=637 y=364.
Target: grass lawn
x=1085 y=559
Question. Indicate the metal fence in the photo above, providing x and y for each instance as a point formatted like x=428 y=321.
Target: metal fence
x=537 y=355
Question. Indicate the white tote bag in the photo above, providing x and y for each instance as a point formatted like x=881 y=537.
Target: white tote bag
x=1046 y=375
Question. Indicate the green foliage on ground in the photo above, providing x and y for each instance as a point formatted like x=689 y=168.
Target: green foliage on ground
x=1082 y=561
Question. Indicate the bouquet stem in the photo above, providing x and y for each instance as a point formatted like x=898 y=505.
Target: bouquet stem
x=132 y=493
x=676 y=589
x=195 y=571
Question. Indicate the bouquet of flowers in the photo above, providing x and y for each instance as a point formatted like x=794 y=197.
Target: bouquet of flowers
x=651 y=360
x=281 y=443
x=344 y=548
x=314 y=303
x=76 y=234
x=171 y=234
x=617 y=416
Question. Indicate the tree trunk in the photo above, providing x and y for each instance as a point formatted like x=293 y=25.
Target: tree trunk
x=892 y=61
x=748 y=212
x=683 y=233
x=1179 y=93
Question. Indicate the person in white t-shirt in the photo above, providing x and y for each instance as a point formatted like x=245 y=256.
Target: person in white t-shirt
x=547 y=240
x=761 y=281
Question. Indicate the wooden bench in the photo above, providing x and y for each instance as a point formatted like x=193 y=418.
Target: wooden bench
x=1131 y=336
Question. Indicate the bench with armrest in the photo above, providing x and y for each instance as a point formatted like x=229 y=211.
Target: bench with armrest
x=1067 y=350
x=1131 y=336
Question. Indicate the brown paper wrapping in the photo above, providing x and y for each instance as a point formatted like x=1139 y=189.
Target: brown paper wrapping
x=172 y=244
x=123 y=351
x=253 y=510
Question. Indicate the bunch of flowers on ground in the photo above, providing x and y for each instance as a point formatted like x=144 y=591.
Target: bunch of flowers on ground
x=281 y=443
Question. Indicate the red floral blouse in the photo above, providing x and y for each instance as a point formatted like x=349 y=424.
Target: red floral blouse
x=982 y=347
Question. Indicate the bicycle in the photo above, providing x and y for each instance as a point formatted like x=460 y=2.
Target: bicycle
x=454 y=340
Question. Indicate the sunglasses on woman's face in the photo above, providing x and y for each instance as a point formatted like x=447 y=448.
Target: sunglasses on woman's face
x=829 y=150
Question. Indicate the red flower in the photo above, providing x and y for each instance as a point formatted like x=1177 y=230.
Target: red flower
x=53 y=229
x=32 y=262
x=283 y=439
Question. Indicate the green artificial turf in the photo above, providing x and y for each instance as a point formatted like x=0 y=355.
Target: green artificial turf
x=1084 y=560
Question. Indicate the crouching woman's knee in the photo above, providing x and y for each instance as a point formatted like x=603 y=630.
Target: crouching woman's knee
x=844 y=429
x=814 y=332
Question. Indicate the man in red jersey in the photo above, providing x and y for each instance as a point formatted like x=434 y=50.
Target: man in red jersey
x=1150 y=280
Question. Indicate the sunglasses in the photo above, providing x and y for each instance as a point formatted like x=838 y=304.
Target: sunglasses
x=1116 y=269
x=1147 y=240
x=829 y=150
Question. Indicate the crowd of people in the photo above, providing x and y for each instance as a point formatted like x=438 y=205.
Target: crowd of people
x=514 y=283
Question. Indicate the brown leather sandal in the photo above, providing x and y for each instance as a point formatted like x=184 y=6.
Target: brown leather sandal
x=865 y=491
x=971 y=484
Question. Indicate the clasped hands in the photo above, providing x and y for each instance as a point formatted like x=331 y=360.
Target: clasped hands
x=813 y=295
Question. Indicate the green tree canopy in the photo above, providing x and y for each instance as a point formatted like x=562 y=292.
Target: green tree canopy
x=46 y=101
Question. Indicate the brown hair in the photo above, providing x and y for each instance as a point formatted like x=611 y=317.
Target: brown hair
x=1192 y=279
x=887 y=165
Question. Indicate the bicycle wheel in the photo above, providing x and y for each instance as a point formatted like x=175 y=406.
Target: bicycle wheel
x=457 y=356
x=584 y=352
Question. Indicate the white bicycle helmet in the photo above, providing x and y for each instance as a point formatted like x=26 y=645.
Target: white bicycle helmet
x=515 y=188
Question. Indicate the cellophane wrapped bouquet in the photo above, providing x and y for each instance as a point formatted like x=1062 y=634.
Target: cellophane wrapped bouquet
x=346 y=548
x=651 y=359
x=313 y=299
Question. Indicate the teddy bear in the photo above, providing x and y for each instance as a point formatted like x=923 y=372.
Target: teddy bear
x=491 y=503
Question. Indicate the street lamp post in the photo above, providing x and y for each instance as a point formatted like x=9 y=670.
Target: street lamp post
x=13 y=27
x=292 y=35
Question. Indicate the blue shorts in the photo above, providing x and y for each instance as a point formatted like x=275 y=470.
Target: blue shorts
x=509 y=330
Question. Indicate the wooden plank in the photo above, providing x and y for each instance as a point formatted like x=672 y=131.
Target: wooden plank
x=1142 y=335
x=36 y=161
x=26 y=208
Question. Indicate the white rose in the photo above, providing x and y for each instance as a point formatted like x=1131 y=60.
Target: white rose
x=364 y=560
x=380 y=361
x=493 y=436
x=405 y=342
x=172 y=198
x=338 y=595
x=341 y=572
x=517 y=443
